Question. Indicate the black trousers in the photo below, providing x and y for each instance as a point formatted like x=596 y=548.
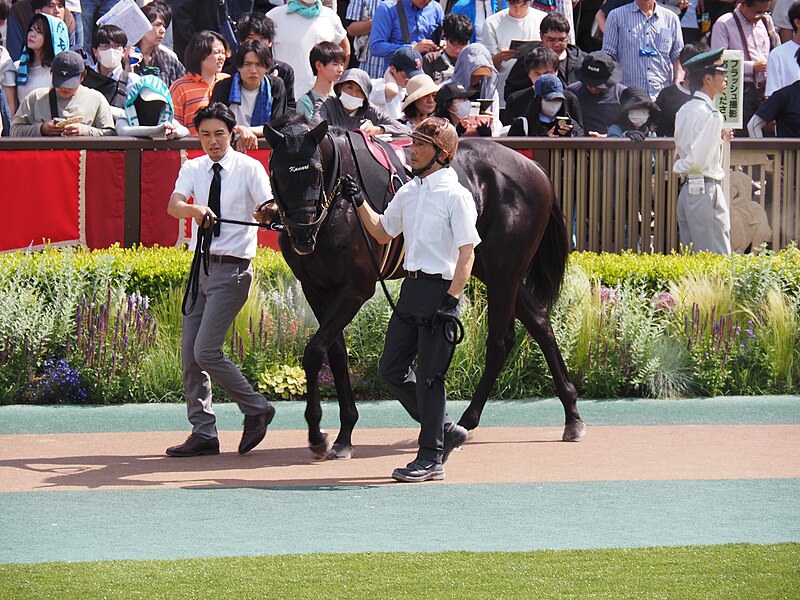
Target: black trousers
x=421 y=392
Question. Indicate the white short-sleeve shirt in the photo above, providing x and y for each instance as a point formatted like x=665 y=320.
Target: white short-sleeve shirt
x=244 y=187
x=295 y=36
x=436 y=216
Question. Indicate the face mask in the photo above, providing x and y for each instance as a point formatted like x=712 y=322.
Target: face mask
x=638 y=117
x=110 y=58
x=551 y=107
x=460 y=110
x=350 y=102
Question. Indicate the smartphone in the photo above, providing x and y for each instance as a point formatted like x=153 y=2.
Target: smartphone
x=474 y=109
x=563 y=121
x=485 y=105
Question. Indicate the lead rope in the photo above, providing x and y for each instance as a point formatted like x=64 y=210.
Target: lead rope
x=202 y=256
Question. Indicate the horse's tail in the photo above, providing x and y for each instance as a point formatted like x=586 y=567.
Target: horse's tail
x=546 y=271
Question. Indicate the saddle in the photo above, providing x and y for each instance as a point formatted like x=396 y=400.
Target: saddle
x=382 y=170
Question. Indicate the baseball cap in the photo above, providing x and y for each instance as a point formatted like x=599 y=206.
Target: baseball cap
x=450 y=91
x=407 y=60
x=67 y=68
x=549 y=87
x=600 y=70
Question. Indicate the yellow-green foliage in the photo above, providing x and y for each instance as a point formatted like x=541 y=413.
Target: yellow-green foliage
x=282 y=381
x=778 y=335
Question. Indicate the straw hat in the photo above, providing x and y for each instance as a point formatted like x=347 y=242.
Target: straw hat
x=418 y=87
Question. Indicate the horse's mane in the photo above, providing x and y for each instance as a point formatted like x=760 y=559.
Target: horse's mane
x=290 y=118
x=297 y=118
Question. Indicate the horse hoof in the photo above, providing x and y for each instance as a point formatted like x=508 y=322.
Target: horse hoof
x=341 y=452
x=321 y=450
x=574 y=431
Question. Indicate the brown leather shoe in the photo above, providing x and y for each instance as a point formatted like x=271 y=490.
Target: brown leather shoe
x=195 y=446
x=255 y=428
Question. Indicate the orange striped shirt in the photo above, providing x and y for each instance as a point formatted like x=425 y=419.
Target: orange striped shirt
x=190 y=93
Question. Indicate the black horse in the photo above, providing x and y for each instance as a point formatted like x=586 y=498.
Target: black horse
x=521 y=259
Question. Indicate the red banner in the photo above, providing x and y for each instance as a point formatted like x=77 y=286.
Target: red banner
x=105 y=198
x=78 y=197
x=40 y=197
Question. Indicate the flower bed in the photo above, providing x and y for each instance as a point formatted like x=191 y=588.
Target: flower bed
x=104 y=327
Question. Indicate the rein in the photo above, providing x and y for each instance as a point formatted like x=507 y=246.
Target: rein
x=202 y=256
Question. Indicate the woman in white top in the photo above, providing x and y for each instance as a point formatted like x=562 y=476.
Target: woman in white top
x=46 y=37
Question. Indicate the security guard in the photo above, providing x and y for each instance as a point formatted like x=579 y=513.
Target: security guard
x=703 y=213
x=437 y=217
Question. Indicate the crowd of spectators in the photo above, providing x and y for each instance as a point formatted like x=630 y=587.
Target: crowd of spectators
x=493 y=67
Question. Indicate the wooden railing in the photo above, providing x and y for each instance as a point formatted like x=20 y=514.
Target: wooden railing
x=615 y=194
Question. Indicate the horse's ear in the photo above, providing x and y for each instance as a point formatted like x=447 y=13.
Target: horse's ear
x=319 y=132
x=275 y=138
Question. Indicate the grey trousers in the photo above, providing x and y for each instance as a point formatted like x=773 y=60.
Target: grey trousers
x=222 y=295
x=704 y=220
x=422 y=394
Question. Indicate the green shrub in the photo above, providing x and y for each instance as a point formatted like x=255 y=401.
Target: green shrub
x=635 y=325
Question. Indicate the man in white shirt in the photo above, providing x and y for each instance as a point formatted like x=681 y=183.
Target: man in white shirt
x=298 y=30
x=389 y=91
x=517 y=22
x=437 y=216
x=228 y=185
x=703 y=214
x=782 y=67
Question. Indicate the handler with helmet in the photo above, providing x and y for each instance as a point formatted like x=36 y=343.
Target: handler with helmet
x=437 y=217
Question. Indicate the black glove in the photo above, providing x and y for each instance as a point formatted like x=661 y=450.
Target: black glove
x=447 y=309
x=351 y=190
x=635 y=135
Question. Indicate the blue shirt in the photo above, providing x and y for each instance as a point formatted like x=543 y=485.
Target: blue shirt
x=644 y=47
x=386 y=36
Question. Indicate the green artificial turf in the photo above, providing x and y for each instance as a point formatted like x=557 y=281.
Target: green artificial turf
x=726 y=571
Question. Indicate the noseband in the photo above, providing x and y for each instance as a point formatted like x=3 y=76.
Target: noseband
x=321 y=206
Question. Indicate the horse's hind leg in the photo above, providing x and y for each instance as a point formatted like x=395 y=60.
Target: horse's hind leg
x=536 y=319
x=499 y=342
x=348 y=414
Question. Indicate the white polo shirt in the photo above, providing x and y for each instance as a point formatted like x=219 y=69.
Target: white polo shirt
x=244 y=185
x=437 y=216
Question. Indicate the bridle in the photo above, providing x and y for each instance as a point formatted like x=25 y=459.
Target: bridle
x=323 y=202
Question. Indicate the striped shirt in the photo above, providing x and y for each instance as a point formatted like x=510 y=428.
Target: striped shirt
x=189 y=94
x=645 y=47
x=364 y=10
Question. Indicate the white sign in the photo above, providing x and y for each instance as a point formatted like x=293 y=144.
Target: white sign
x=730 y=102
x=129 y=17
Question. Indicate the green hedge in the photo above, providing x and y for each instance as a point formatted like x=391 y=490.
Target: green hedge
x=627 y=325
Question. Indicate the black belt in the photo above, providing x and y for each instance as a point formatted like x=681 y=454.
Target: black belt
x=422 y=275
x=224 y=258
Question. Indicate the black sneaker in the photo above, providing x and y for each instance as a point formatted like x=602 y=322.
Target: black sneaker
x=419 y=471
x=195 y=446
x=453 y=438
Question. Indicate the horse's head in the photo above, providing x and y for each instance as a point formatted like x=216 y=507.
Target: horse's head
x=298 y=181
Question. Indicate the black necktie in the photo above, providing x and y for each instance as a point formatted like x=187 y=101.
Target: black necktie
x=214 y=195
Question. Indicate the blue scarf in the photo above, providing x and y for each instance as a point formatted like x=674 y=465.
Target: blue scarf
x=60 y=39
x=263 y=108
x=304 y=10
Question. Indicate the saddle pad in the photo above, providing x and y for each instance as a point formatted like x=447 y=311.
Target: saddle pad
x=382 y=171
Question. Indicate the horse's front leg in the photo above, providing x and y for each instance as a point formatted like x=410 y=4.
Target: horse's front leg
x=333 y=314
x=348 y=413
